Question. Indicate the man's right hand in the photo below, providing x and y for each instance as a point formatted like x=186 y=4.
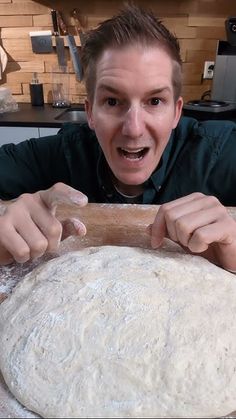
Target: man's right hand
x=29 y=227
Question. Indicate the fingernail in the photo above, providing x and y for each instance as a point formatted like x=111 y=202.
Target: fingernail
x=155 y=243
x=79 y=226
x=79 y=199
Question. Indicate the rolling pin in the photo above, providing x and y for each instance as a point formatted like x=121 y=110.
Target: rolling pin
x=112 y=224
x=115 y=224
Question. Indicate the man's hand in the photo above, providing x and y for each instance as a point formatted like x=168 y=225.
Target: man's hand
x=28 y=226
x=200 y=224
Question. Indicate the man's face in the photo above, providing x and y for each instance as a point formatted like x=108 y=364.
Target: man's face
x=133 y=112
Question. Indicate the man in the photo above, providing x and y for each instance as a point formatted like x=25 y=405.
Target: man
x=136 y=149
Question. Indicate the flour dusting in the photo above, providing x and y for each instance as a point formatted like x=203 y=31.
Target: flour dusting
x=11 y=274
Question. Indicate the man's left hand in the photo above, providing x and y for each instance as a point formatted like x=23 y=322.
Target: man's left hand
x=200 y=224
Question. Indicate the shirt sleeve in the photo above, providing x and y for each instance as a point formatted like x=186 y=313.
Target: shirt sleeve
x=32 y=165
x=222 y=179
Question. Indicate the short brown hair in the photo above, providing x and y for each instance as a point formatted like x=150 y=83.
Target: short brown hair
x=132 y=25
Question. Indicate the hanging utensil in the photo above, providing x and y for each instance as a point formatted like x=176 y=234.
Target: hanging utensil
x=60 y=48
x=3 y=61
x=72 y=47
x=78 y=26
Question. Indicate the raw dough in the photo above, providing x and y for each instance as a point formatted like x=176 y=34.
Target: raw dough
x=122 y=332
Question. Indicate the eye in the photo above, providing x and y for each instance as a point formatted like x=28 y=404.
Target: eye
x=111 y=101
x=154 y=101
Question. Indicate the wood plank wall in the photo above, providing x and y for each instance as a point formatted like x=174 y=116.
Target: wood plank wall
x=197 y=23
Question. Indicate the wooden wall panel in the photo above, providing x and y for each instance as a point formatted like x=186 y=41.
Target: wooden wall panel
x=206 y=21
x=197 y=23
x=22 y=8
x=14 y=22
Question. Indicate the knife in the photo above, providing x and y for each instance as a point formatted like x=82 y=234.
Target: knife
x=61 y=57
x=72 y=47
x=78 y=26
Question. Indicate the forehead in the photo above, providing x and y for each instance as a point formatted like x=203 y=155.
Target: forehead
x=134 y=65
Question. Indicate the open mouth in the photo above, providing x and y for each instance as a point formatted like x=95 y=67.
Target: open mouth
x=137 y=154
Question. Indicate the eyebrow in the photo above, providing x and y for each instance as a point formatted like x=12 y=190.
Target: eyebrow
x=151 y=92
x=160 y=90
x=108 y=88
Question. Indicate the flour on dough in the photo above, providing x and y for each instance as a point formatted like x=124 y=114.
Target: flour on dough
x=122 y=332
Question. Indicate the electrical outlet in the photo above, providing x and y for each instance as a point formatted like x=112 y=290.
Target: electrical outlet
x=208 y=69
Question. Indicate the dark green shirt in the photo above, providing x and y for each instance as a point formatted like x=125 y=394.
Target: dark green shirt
x=200 y=156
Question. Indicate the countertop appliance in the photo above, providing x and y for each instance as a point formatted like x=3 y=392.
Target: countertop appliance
x=224 y=77
x=210 y=109
x=222 y=104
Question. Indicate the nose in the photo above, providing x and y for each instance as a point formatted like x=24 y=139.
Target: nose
x=133 y=123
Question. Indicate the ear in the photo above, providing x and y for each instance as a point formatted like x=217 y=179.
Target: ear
x=89 y=113
x=178 y=111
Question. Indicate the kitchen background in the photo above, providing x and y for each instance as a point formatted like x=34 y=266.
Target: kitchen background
x=197 y=23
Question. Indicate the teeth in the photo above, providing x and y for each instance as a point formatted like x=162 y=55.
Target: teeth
x=132 y=151
x=133 y=154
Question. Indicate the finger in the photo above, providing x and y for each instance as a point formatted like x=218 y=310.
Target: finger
x=48 y=226
x=5 y=257
x=37 y=242
x=39 y=230
x=37 y=227
x=161 y=227
x=211 y=233
x=61 y=193
x=2 y=208
x=195 y=196
x=186 y=225
x=174 y=215
x=73 y=227
x=14 y=244
x=24 y=239
x=158 y=230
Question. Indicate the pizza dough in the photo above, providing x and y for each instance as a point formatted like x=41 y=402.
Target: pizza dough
x=122 y=332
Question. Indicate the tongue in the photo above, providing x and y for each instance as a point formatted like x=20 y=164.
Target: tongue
x=132 y=155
